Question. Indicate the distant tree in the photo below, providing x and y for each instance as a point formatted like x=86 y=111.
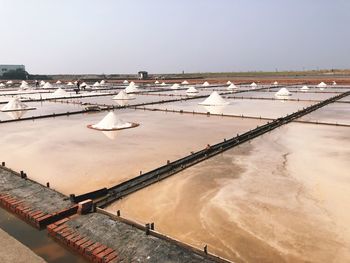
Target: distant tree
x=15 y=74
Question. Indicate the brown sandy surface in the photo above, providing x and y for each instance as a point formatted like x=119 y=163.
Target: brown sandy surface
x=284 y=197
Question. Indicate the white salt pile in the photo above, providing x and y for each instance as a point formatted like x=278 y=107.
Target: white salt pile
x=122 y=95
x=175 y=86
x=42 y=83
x=131 y=88
x=185 y=82
x=228 y=83
x=47 y=85
x=96 y=84
x=111 y=122
x=322 y=85
x=283 y=92
x=232 y=87
x=334 y=83
x=214 y=100
x=191 y=90
x=15 y=104
x=2 y=85
x=156 y=82
x=58 y=82
x=163 y=84
x=24 y=85
x=206 y=84
x=24 y=82
x=275 y=83
x=102 y=82
x=10 y=82
x=125 y=82
x=70 y=84
x=304 y=88
x=60 y=93
x=253 y=85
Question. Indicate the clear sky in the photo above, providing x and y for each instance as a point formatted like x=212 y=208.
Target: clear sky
x=168 y=36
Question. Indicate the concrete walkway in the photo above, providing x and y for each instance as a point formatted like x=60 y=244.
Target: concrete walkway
x=12 y=250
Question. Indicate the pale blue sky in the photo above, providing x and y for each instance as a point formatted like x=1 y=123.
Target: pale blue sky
x=124 y=36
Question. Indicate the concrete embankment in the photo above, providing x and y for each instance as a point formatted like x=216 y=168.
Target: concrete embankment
x=98 y=236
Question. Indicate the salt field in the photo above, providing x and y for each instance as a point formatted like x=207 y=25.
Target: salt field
x=251 y=108
x=95 y=159
x=285 y=194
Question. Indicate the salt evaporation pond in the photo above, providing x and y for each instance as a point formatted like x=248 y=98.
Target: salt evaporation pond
x=284 y=194
x=107 y=100
x=252 y=108
x=295 y=95
x=75 y=159
x=332 y=113
x=42 y=108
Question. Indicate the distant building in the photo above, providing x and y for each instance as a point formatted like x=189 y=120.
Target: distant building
x=143 y=75
x=9 y=68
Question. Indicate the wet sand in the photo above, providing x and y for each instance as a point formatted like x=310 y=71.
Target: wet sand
x=75 y=159
x=284 y=197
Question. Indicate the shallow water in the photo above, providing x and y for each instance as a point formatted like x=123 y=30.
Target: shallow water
x=284 y=197
x=295 y=95
x=41 y=108
x=332 y=113
x=246 y=107
x=75 y=159
x=38 y=241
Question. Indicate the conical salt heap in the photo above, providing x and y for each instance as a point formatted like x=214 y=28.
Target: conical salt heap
x=232 y=87
x=2 y=85
x=10 y=82
x=205 y=84
x=214 y=100
x=175 y=86
x=60 y=93
x=58 y=82
x=156 y=82
x=163 y=84
x=24 y=85
x=334 y=83
x=253 y=85
x=275 y=83
x=102 y=82
x=283 y=92
x=15 y=104
x=322 y=85
x=96 y=84
x=70 y=84
x=228 y=83
x=42 y=83
x=111 y=122
x=191 y=90
x=304 y=88
x=125 y=82
x=122 y=95
x=185 y=82
x=131 y=88
x=24 y=82
x=47 y=85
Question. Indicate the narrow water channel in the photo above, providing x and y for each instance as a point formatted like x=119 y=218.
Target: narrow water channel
x=37 y=241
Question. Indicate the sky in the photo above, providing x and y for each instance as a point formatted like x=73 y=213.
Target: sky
x=171 y=36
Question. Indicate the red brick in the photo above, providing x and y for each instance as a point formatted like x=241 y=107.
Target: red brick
x=85 y=245
x=62 y=221
x=80 y=242
x=98 y=250
x=110 y=257
x=100 y=257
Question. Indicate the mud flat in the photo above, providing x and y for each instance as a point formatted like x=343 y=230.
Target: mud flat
x=281 y=198
x=75 y=159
